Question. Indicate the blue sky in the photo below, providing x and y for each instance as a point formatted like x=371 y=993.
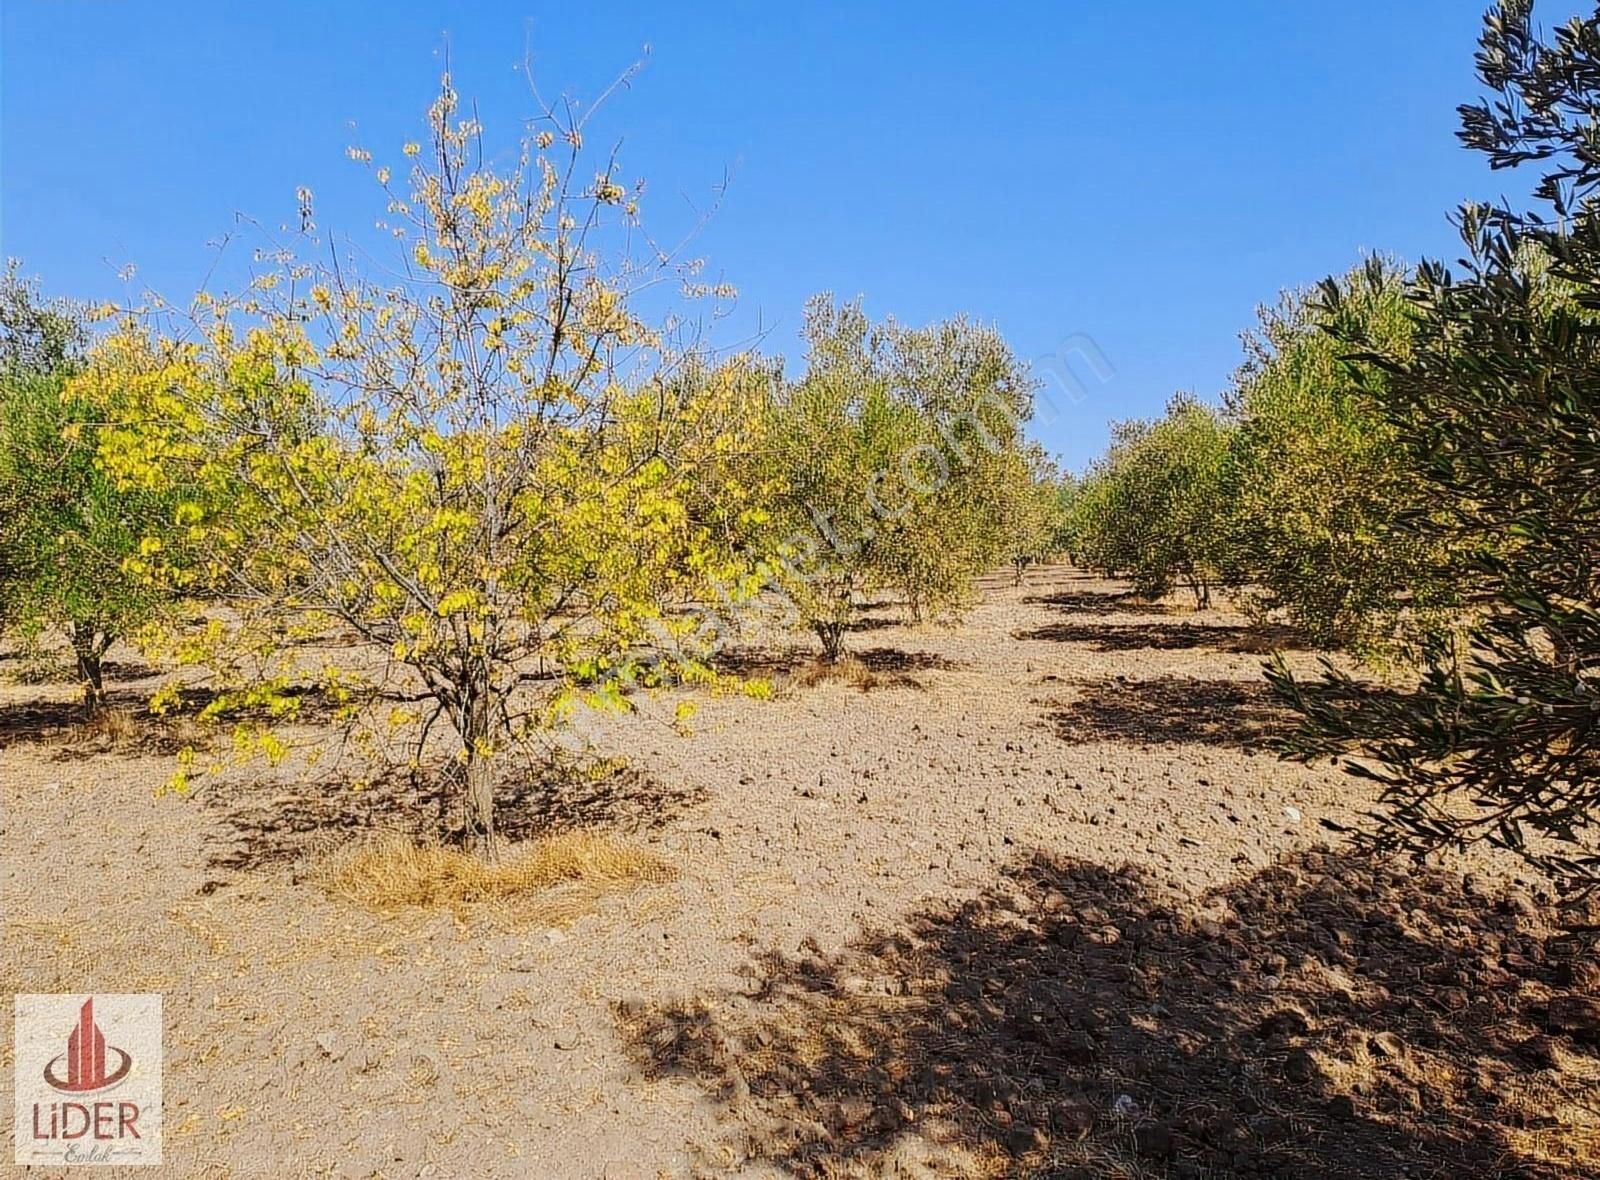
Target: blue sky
x=1138 y=175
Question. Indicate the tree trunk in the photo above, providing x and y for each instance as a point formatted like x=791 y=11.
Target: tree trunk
x=832 y=636
x=477 y=716
x=89 y=649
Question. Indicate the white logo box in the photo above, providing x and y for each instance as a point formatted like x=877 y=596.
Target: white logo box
x=87 y=1079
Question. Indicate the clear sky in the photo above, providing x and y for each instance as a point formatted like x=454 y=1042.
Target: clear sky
x=1138 y=174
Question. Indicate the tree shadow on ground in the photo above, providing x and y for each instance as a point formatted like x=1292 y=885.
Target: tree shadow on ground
x=1171 y=709
x=127 y=670
x=1099 y=602
x=49 y=721
x=893 y=659
x=874 y=623
x=1325 y=1017
x=126 y=725
x=557 y=796
x=268 y=826
x=71 y=732
x=1221 y=637
x=70 y=724
x=869 y=668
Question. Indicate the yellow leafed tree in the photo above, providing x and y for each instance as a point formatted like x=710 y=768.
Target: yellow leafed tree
x=485 y=466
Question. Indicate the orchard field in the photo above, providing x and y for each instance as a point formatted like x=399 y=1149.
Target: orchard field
x=934 y=921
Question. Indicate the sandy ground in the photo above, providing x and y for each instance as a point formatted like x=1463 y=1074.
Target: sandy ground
x=1038 y=901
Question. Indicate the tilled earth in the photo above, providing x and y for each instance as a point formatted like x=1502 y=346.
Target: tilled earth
x=1026 y=897
x=1319 y=1018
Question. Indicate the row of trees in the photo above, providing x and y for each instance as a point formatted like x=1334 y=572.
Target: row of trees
x=512 y=491
x=1412 y=460
x=1294 y=494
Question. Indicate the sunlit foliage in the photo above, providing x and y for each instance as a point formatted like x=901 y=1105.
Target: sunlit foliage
x=477 y=460
x=1319 y=493
x=74 y=546
x=1497 y=403
x=1153 y=508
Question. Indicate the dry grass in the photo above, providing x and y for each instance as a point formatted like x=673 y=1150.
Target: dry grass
x=851 y=672
x=553 y=879
x=846 y=670
x=114 y=727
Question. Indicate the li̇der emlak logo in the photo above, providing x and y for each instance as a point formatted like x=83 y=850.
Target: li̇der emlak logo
x=88 y=1079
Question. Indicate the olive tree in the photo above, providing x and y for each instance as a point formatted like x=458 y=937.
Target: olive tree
x=1152 y=508
x=1319 y=493
x=888 y=460
x=1497 y=403
x=969 y=465
x=832 y=444
x=1031 y=510
x=74 y=546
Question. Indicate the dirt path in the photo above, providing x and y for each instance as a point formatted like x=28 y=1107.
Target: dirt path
x=938 y=927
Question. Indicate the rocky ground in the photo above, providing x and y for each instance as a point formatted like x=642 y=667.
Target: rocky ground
x=1031 y=896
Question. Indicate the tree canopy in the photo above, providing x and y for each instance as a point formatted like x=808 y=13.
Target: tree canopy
x=74 y=544
x=1497 y=404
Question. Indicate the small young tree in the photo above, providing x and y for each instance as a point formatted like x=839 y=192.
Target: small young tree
x=1152 y=509
x=1031 y=511
x=1498 y=406
x=888 y=458
x=73 y=545
x=832 y=442
x=477 y=465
